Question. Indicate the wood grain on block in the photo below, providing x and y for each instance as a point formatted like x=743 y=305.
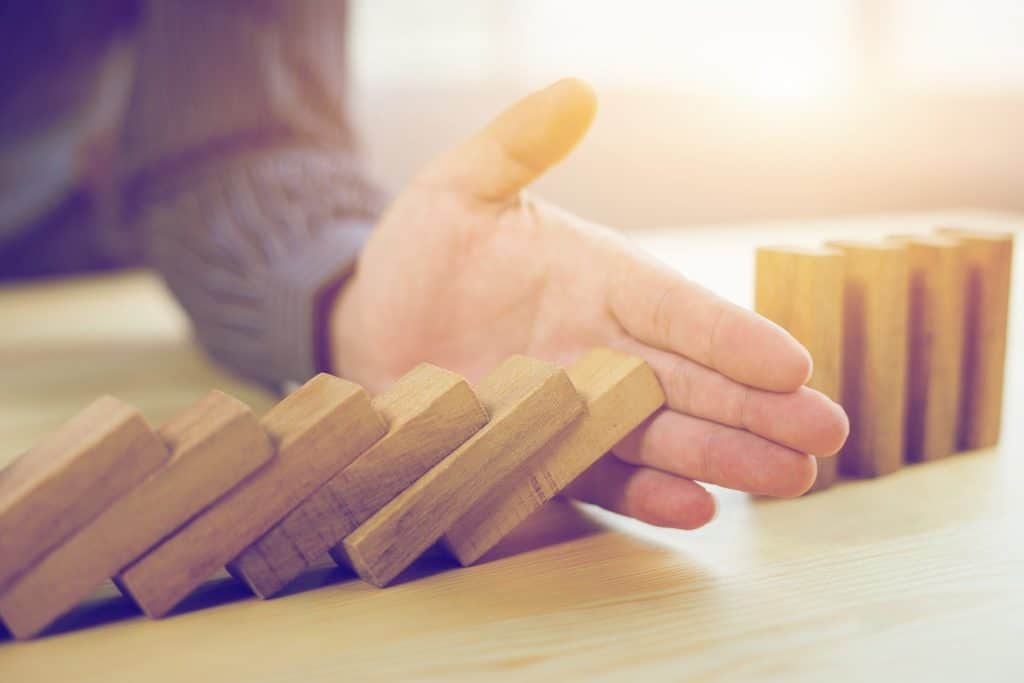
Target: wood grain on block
x=430 y=412
x=316 y=431
x=937 y=303
x=989 y=257
x=214 y=444
x=529 y=401
x=620 y=392
x=66 y=480
x=802 y=290
x=874 y=379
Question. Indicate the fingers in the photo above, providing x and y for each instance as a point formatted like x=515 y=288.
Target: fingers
x=805 y=420
x=522 y=143
x=663 y=309
x=697 y=449
x=645 y=494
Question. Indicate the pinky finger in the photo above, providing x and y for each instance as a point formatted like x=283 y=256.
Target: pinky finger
x=645 y=494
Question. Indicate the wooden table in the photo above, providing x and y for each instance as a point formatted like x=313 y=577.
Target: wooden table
x=919 y=575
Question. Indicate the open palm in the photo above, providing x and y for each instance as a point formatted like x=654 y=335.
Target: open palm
x=465 y=269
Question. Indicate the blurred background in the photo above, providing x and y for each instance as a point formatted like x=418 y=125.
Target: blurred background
x=715 y=110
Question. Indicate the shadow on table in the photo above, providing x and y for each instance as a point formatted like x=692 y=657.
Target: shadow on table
x=556 y=523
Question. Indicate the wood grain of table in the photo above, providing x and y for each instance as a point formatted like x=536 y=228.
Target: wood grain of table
x=918 y=575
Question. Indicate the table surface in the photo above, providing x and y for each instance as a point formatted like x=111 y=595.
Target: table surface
x=920 y=573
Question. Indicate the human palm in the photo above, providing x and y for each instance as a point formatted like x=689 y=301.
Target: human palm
x=465 y=269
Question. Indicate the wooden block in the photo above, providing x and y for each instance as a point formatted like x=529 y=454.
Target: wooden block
x=874 y=379
x=429 y=412
x=989 y=257
x=802 y=290
x=214 y=444
x=56 y=488
x=529 y=401
x=620 y=392
x=316 y=431
x=937 y=299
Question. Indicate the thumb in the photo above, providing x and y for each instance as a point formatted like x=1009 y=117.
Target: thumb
x=524 y=141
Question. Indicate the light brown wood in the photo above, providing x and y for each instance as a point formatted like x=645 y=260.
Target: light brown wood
x=801 y=289
x=938 y=289
x=620 y=392
x=868 y=581
x=209 y=455
x=874 y=380
x=68 y=478
x=529 y=401
x=430 y=412
x=316 y=431
x=989 y=261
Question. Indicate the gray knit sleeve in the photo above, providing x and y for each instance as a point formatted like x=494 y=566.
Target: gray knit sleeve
x=254 y=246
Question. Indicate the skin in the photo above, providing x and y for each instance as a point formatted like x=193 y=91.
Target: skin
x=466 y=268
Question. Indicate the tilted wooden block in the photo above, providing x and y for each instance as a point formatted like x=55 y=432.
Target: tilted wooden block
x=620 y=392
x=936 y=319
x=54 y=489
x=989 y=257
x=802 y=290
x=529 y=401
x=214 y=444
x=429 y=412
x=317 y=430
x=874 y=380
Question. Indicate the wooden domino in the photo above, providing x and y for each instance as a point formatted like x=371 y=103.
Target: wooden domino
x=989 y=257
x=620 y=392
x=529 y=401
x=214 y=444
x=430 y=412
x=938 y=287
x=316 y=431
x=64 y=482
x=874 y=378
x=801 y=290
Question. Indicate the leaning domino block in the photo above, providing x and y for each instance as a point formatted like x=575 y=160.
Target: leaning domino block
x=317 y=430
x=802 y=290
x=874 y=375
x=989 y=257
x=936 y=318
x=529 y=401
x=64 y=482
x=429 y=412
x=620 y=392
x=214 y=444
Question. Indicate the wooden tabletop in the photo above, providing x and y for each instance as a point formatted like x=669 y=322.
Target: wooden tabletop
x=919 y=575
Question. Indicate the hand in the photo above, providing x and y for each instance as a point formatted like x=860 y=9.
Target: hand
x=464 y=269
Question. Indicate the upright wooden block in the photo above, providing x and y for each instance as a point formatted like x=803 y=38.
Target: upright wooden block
x=802 y=290
x=989 y=258
x=429 y=412
x=874 y=380
x=937 y=303
x=214 y=444
x=317 y=430
x=620 y=392
x=529 y=401
x=56 y=488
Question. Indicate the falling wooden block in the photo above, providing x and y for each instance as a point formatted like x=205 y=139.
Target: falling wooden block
x=802 y=290
x=214 y=444
x=937 y=298
x=529 y=401
x=620 y=392
x=989 y=257
x=64 y=482
x=317 y=430
x=429 y=412
x=874 y=379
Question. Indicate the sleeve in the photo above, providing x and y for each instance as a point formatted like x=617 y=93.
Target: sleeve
x=241 y=178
